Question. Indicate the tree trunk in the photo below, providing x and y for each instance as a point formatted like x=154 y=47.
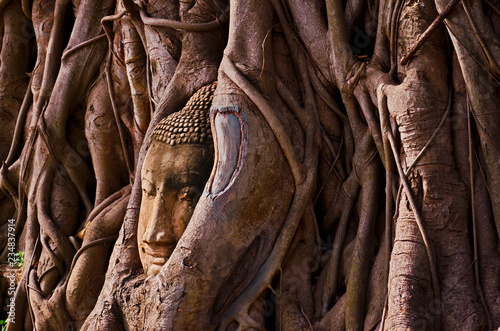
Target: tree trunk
x=356 y=182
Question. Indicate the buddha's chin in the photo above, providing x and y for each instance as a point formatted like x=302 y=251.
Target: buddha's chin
x=154 y=264
x=154 y=269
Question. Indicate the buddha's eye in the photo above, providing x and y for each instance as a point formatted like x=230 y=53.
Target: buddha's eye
x=188 y=194
x=148 y=189
x=148 y=194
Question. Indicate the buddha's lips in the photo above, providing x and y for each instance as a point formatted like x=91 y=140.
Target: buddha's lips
x=159 y=256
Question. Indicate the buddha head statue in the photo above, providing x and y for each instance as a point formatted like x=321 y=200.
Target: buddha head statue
x=175 y=170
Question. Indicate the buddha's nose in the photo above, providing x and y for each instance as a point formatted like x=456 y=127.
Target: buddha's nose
x=159 y=229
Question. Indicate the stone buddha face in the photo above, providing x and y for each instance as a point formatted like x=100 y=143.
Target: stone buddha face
x=175 y=170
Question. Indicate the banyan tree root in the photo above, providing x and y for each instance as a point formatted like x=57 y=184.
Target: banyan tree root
x=313 y=111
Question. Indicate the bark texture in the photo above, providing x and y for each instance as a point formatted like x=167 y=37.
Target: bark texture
x=355 y=183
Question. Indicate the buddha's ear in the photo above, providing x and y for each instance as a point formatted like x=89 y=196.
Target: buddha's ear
x=228 y=133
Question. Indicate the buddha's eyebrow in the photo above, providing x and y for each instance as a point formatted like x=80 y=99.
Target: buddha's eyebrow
x=185 y=179
x=147 y=185
x=148 y=177
x=146 y=180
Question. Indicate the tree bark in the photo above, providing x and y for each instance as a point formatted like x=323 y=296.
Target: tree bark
x=355 y=184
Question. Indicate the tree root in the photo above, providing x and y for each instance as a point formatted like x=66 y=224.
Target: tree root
x=100 y=207
x=427 y=33
x=70 y=51
x=3 y=3
x=350 y=189
x=21 y=120
x=188 y=27
x=384 y=120
x=48 y=228
x=302 y=195
x=363 y=247
x=228 y=67
x=112 y=98
x=109 y=31
x=475 y=242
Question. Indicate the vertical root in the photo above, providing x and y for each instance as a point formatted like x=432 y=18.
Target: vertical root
x=112 y=98
x=351 y=189
x=386 y=130
x=361 y=257
x=301 y=198
x=48 y=229
x=477 y=275
x=21 y=120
